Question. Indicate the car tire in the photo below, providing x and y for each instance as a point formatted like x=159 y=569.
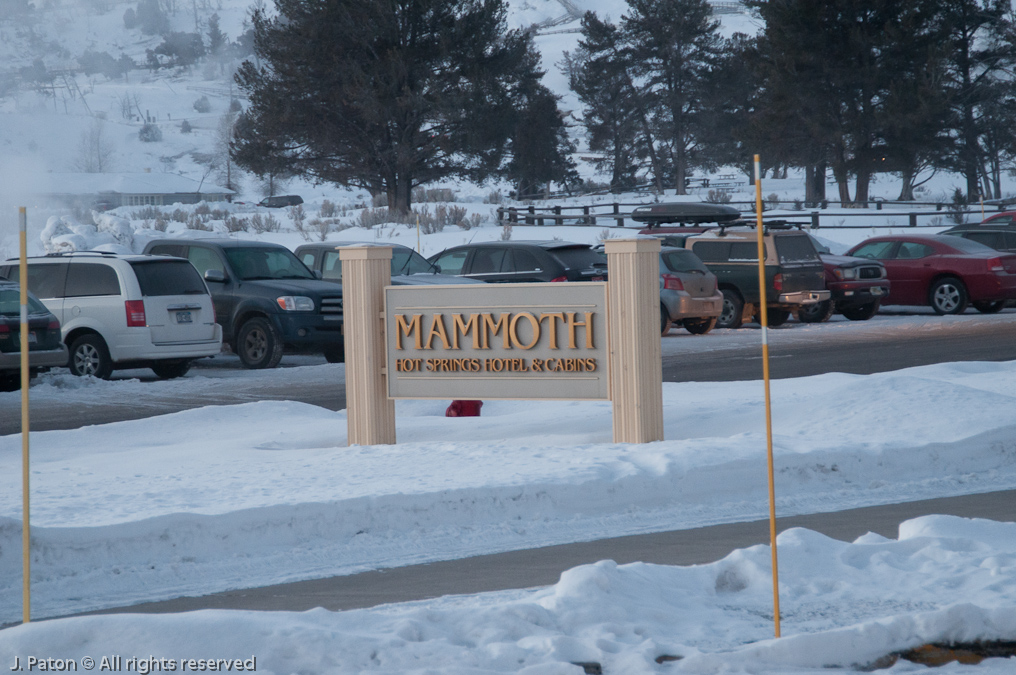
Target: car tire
x=664 y=320
x=169 y=370
x=733 y=307
x=816 y=312
x=988 y=307
x=948 y=296
x=335 y=355
x=258 y=344
x=861 y=312
x=10 y=383
x=89 y=355
x=700 y=326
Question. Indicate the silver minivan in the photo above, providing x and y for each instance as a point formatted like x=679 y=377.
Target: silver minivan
x=125 y=311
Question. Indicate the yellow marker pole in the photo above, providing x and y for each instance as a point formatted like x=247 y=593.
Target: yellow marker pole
x=765 y=379
x=26 y=597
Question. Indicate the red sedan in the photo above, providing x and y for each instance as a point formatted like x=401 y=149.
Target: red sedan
x=944 y=272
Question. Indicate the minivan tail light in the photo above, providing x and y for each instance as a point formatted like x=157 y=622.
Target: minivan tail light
x=135 y=313
x=995 y=265
x=53 y=325
x=559 y=279
x=778 y=282
x=672 y=283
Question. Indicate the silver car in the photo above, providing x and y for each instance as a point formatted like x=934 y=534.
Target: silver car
x=689 y=295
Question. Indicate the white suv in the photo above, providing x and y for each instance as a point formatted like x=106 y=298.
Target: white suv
x=125 y=311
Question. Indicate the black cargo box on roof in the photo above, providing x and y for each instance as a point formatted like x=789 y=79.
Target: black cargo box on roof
x=684 y=212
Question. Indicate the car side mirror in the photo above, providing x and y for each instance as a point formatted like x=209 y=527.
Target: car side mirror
x=318 y=275
x=217 y=276
x=437 y=268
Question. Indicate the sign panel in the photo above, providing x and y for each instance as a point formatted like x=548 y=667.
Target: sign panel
x=497 y=341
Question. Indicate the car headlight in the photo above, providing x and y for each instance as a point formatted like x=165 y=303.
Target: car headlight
x=845 y=274
x=295 y=303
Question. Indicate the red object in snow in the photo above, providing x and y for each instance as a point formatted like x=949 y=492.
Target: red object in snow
x=464 y=409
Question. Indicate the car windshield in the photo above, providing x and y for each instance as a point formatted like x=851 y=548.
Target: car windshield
x=408 y=261
x=10 y=303
x=251 y=264
x=819 y=246
x=681 y=260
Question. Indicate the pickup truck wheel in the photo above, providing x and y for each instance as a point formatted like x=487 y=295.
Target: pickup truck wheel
x=861 y=312
x=335 y=355
x=258 y=345
x=987 y=307
x=816 y=312
x=700 y=326
x=90 y=356
x=733 y=306
x=168 y=370
x=948 y=296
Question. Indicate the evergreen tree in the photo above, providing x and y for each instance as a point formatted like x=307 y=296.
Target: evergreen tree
x=673 y=46
x=540 y=147
x=384 y=94
x=216 y=38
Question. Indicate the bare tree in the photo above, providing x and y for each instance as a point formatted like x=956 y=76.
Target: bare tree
x=95 y=151
x=227 y=175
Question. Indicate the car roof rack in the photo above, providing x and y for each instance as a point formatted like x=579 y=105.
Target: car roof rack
x=767 y=225
x=64 y=254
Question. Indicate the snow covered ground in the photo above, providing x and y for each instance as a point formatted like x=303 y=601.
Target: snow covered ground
x=230 y=497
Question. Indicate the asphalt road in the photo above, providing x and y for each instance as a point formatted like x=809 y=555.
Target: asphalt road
x=796 y=350
x=543 y=566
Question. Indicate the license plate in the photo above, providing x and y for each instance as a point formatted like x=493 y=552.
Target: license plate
x=876 y=290
x=183 y=317
x=597 y=279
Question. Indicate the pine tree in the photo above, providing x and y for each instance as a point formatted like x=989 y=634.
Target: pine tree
x=384 y=94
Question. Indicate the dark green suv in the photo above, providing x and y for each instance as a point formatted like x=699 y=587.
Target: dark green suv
x=795 y=276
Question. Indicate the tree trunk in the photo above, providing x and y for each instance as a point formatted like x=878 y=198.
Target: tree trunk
x=907 y=187
x=861 y=191
x=814 y=183
x=403 y=195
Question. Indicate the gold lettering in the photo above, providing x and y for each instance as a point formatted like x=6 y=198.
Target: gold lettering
x=437 y=328
x=514 y=330
x=408 y=328
x=538 y=365
x=573 y=324
x=501 y=324
x=460 y=327
x=552 y=326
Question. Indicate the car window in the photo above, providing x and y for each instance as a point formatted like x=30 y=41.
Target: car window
x=911 y=250
x=204 y=259
x=408 y=261
x=175 y=250
x=876 y=250
x=252 y=263
x=10 y=303
x=743 y=251
x=525 y=261
x=168 y=277
x=681 y=261
x=451 y=262
x=712 y=251
x=999 y=220
x=969 y=246
x=578 y=258
x=45 y=281
x=332 y=268
x=487 y=261
x=795 y=248
x=91 y=279
x=308 y=259
x=992 y=239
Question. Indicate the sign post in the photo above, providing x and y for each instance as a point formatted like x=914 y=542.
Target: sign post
x=636 y=361
x=26 y=535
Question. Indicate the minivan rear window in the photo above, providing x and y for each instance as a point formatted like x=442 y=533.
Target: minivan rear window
x=168 y=277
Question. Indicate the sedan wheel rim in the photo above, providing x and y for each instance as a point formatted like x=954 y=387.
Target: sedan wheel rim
x=728 y=312
x=256 y=345
x=947 y=297
x=86 y=360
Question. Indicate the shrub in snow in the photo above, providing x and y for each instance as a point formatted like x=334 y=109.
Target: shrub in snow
x=718 y=197
x=119 y=228
x=185 y=127
x=234 y=224
x=493 y=197
x=327 y=209
x=506 y=232
x=262 y=224
x=150 y=133
x=130 y=18
x=235 y=106
x=202 y=105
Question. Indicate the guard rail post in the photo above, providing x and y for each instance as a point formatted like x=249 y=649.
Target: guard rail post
x=530 y=212
x=618 y=219
x=913 y=219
